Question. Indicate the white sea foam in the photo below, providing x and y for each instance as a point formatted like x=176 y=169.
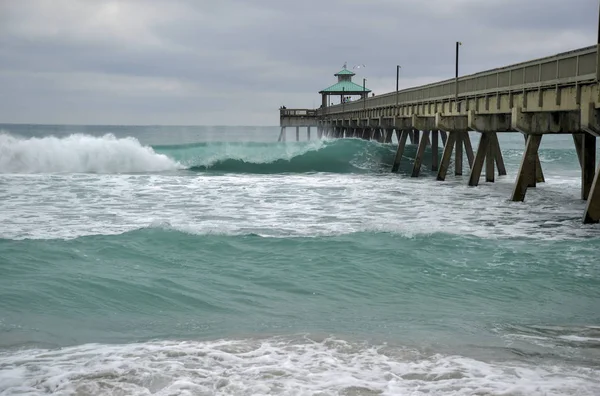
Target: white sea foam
x=577 y=338
x=277 y=366
x=44 y=205
x=79 y=154
x=69 y=206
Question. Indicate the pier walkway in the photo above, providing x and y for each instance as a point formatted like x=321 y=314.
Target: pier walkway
x=553 y=95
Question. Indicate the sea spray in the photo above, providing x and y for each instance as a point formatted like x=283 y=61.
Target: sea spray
x=79 y=153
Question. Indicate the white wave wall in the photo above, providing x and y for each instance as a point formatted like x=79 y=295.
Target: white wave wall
x=80 y=153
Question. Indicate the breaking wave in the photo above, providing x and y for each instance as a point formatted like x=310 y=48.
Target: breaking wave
x=335 y=156
x=79 y=153
x=277 y=366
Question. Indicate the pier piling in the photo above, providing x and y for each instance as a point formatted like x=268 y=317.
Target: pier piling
x=400 y=152
x=435 y=157
x=527 y=171
x=420 y=154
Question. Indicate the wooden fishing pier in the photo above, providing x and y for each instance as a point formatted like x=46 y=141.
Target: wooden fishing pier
x=558 y=94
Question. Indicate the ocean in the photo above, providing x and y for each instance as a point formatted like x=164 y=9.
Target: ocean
x=148 y=260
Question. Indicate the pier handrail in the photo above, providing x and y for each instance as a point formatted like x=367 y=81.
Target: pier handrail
x=570 y=67
x=297 y=113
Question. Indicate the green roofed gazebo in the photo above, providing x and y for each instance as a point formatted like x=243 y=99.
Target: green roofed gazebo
x=344 y=87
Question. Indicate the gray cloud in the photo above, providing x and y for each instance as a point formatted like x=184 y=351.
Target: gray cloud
x=235 y=62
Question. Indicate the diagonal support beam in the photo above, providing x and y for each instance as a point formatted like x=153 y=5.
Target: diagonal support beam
x=591 y=213
x=588 y=164
x=388 y=135
x=468 y=148
x=477 y=167
x=527 y=173
x=498 y=154
x=446 y=156
x=578 y=141
x=420 y=154
x=539 y=173
x=400 y=152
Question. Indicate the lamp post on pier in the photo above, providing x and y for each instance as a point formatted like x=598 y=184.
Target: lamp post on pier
x=397 y=79
x=364 y=94
x=458 y=44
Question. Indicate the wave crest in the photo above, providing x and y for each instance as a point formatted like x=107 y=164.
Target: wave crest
x=80 y=153
x=335 y=156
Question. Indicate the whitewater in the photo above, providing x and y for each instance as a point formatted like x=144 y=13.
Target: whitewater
x=214 y=260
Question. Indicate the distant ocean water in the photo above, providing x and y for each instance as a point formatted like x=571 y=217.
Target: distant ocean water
x=214 y=260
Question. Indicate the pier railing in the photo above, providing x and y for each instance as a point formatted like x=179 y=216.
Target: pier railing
x=567 y=68
x=297 y=113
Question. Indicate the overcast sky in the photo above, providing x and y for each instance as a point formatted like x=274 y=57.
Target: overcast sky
x=225 y=62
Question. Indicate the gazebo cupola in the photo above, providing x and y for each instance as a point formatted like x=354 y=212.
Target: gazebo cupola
x=344 y=87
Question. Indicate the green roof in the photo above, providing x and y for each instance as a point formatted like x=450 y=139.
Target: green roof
x=344 y=72
x=345 y=87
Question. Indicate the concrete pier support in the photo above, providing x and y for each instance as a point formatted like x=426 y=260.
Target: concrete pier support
x=435 y=158
x=490 y=161
x=444 y=137
x=588 y=164
x=401 y=145
x=468 y=148
x=455 y=141
x=488 y=151
x=527 y=170
x=376 y=135
x=591 y=213
x=388 y=135
x=538 y=123
x=282 y=135
x=458 y=154
x=482 y=152
x=458 y=136
x=498 y=155
x=420 y=154
x=297 y=134
x=539 y=173
x=489 y=146
x=446 y=156
x=578 y=141
x=308 y=133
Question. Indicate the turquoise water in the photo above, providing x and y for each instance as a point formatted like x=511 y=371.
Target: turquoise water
x=198 y=260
